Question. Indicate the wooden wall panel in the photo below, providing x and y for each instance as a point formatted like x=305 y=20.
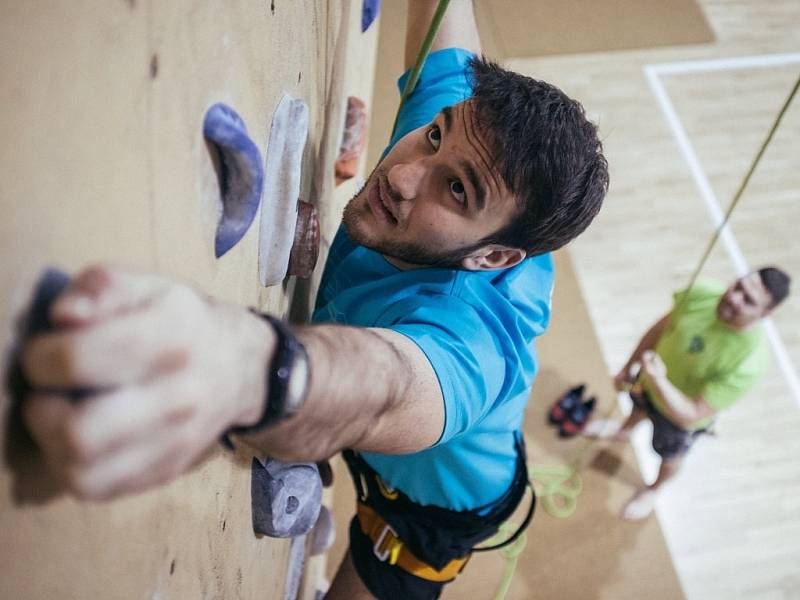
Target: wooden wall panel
x=103 y=160
x=527 y=28
x=74 y=145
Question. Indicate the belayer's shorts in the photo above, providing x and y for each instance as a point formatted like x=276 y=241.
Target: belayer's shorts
x=669 y=440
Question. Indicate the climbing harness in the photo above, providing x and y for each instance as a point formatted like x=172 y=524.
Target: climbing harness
x=391 y=549
x=430 y=542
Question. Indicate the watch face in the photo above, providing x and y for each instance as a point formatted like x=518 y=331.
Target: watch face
x=296 y=388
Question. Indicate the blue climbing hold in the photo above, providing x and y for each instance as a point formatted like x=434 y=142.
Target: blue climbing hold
x=241 y=177
x=369 y=12
x=34 y=321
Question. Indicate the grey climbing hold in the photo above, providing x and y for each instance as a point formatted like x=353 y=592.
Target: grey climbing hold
x=294 y=570
x=287 y=139
x=323 y=534
x=285 y=497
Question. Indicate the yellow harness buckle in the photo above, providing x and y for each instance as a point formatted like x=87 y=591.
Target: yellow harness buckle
x=387 y=545
x=389 y=548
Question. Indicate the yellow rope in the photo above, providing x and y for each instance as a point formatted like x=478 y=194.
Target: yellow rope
x=736 y=197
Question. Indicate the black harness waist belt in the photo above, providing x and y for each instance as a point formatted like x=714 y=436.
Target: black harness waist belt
x=433 y=535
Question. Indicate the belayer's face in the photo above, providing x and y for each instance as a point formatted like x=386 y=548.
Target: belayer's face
x=744 y=302
x=434 y=196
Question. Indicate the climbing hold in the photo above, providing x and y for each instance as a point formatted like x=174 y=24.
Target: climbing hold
x=353 y=139
x=282 y=189
x=324 y=532
x=305 y=249
x=369 y=12
x=323 y=585
x=325 y=473
x=36 y=320
x=31 y=482
x=241 y=177
x=285 y=497
x=294 y=569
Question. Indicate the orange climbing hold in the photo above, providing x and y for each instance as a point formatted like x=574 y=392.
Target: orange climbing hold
x=353 y=140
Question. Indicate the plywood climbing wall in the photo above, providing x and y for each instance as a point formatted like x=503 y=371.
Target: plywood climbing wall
x=103 y=160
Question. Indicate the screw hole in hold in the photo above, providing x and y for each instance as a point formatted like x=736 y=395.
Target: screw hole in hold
x=240 y=172
x=285 y=497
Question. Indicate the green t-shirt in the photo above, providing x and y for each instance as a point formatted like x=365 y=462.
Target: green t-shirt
x=705 y=357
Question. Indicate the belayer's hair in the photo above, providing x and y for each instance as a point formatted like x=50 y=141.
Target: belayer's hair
x=777 y=283
x=548 y=155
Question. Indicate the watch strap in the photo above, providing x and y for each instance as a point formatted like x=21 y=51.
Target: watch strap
x=277 y=404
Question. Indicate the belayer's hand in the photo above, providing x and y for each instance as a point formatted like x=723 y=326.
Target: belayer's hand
x=170 y=370
x=653 y=367
x=624 y=379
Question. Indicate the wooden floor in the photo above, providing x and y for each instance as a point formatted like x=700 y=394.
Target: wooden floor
x=732 y=519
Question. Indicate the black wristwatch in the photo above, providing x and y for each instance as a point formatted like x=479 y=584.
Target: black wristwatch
x=287 y=378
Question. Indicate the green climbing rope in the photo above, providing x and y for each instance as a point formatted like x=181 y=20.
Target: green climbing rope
x=510 y=553
x=558 y=488
x=424 y=50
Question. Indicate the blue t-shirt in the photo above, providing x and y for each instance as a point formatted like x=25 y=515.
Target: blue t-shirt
x=475 y=327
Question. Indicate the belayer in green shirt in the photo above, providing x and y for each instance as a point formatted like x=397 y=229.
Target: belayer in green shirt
x=708 y=352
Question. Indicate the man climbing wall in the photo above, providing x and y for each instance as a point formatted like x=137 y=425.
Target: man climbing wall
x=421 y=357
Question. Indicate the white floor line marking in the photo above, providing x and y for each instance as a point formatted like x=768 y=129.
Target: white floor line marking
x=724 y=64
x=712 y=204
x=696 y=170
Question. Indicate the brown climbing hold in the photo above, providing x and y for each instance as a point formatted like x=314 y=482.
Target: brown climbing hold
x=325 y=473
x=353 y=140
x=305 y=248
